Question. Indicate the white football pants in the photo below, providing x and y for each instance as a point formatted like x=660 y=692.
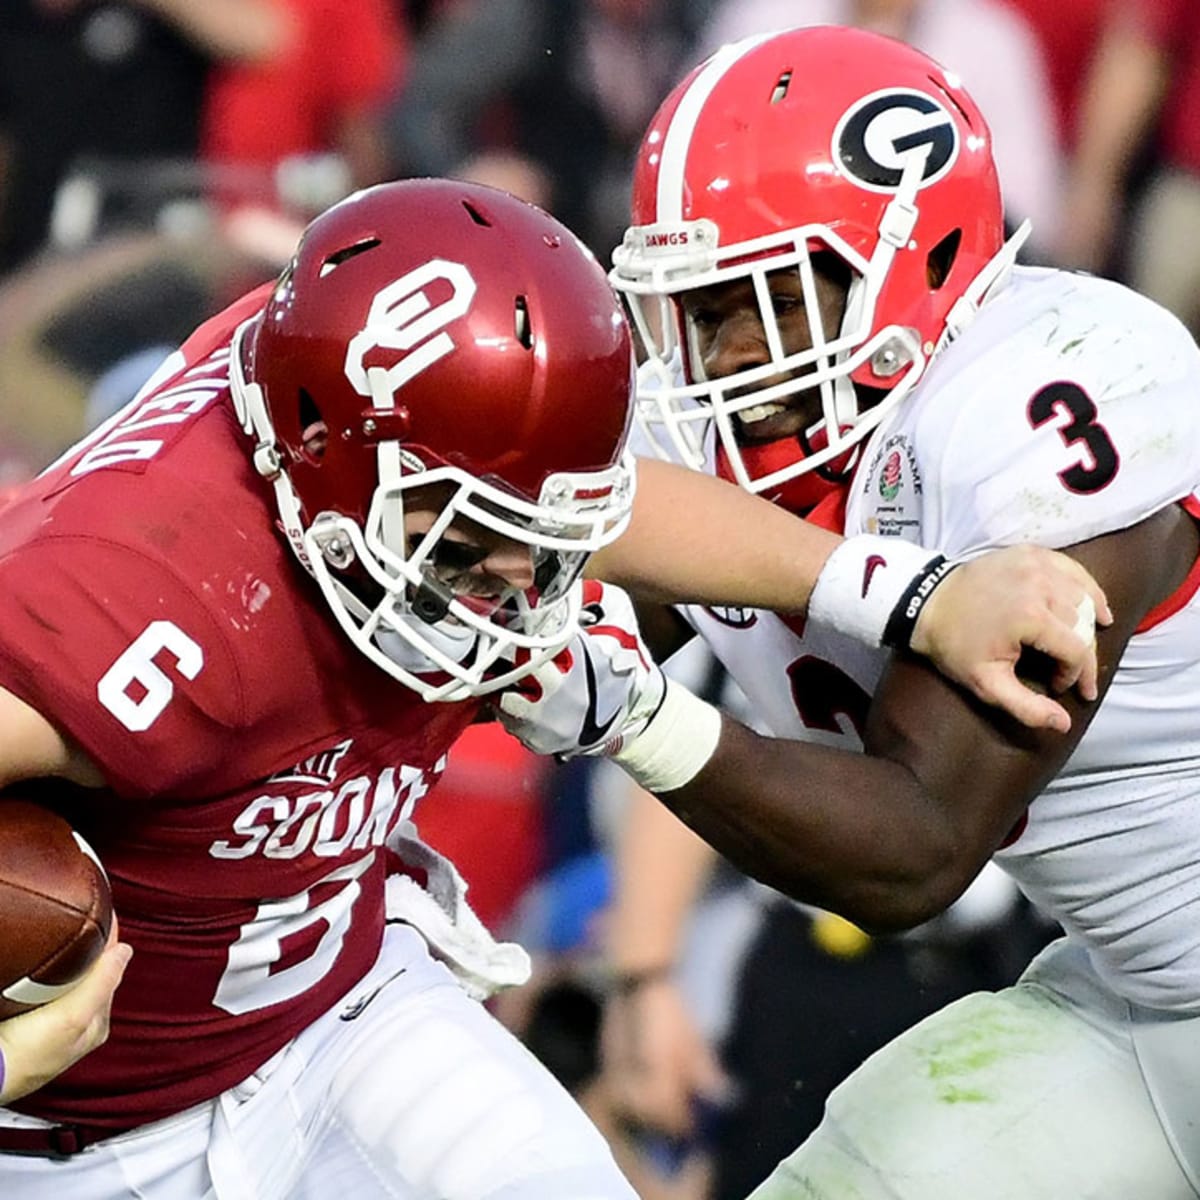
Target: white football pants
x=407 y=1090
x=1048 y=1090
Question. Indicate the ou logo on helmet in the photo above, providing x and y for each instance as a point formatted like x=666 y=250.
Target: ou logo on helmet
x=404 y=318
x=876 y=136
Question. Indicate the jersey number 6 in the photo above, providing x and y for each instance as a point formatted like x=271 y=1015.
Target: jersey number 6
x=135 y=689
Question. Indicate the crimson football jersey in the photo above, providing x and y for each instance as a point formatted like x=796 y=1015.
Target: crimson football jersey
x=255 y=760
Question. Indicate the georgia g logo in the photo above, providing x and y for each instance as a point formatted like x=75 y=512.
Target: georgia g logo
x=403 y=318
x=874 y=139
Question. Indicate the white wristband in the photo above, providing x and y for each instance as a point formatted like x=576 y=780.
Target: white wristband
x=679 y=739
x=866 y=579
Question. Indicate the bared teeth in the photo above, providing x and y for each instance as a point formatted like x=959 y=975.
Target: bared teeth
x=760 y=412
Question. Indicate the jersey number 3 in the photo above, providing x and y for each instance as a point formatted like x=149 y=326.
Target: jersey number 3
x=1082 y=429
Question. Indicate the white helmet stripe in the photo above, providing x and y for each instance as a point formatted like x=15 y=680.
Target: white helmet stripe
x=678 y=140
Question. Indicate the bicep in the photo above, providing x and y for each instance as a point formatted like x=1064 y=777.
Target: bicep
x=31 y=747
x=983 y=766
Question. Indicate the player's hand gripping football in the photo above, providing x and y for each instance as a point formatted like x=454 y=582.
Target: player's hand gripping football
x=39 y=1044
x=977 y=622
x=597 y=693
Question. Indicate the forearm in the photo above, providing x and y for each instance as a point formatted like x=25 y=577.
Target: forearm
x=32 y=748
x=810 y=822
x=892 y=836
x=697 y=539
x=238 y=30
x=465 y=59
x=661 y=868
x=1120 y=97
x=361 y=143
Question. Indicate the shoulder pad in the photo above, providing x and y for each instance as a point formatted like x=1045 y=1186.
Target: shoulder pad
x=1071 y=409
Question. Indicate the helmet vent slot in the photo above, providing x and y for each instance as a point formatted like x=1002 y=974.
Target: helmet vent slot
x=522 y=326
x=941 y=259
x=781 y=87
x=476 y=215
x=335 y=260
x=949 y=94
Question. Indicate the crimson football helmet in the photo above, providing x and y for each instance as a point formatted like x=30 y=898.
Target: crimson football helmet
x=431 y=332
x=820 y=140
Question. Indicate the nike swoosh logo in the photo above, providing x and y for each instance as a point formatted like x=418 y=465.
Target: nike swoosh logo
x=873 y=563
x=355 y=1010
x=591 y=732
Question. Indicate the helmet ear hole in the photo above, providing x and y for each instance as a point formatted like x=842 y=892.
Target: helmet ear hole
x=834 y=269
x=521 y=323
x=941 y=259
x=314 y=431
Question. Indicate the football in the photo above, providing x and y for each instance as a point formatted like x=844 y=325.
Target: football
x=55 y=906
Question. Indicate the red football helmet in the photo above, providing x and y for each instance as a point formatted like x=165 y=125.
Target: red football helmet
x=826 y=139
x=437 y=332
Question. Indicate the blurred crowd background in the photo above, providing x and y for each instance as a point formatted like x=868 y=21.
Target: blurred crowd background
x=158 y=157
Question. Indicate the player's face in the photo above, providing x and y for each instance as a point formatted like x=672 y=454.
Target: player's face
x=474 y=562
x=470 y=559
x=728 y=336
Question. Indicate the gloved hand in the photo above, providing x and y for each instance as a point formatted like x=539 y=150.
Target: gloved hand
x=596 y=695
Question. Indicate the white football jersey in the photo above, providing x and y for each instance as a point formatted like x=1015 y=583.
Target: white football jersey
x=1069 y=409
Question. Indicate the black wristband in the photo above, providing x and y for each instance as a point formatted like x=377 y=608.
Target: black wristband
x=898 y=631
x=625 y=983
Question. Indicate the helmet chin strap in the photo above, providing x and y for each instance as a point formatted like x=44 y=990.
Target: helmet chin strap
x=802 y=492
x=454 y=641
x=250 y=408
x=990 y=280
x=389 y=467
x=845 y=401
